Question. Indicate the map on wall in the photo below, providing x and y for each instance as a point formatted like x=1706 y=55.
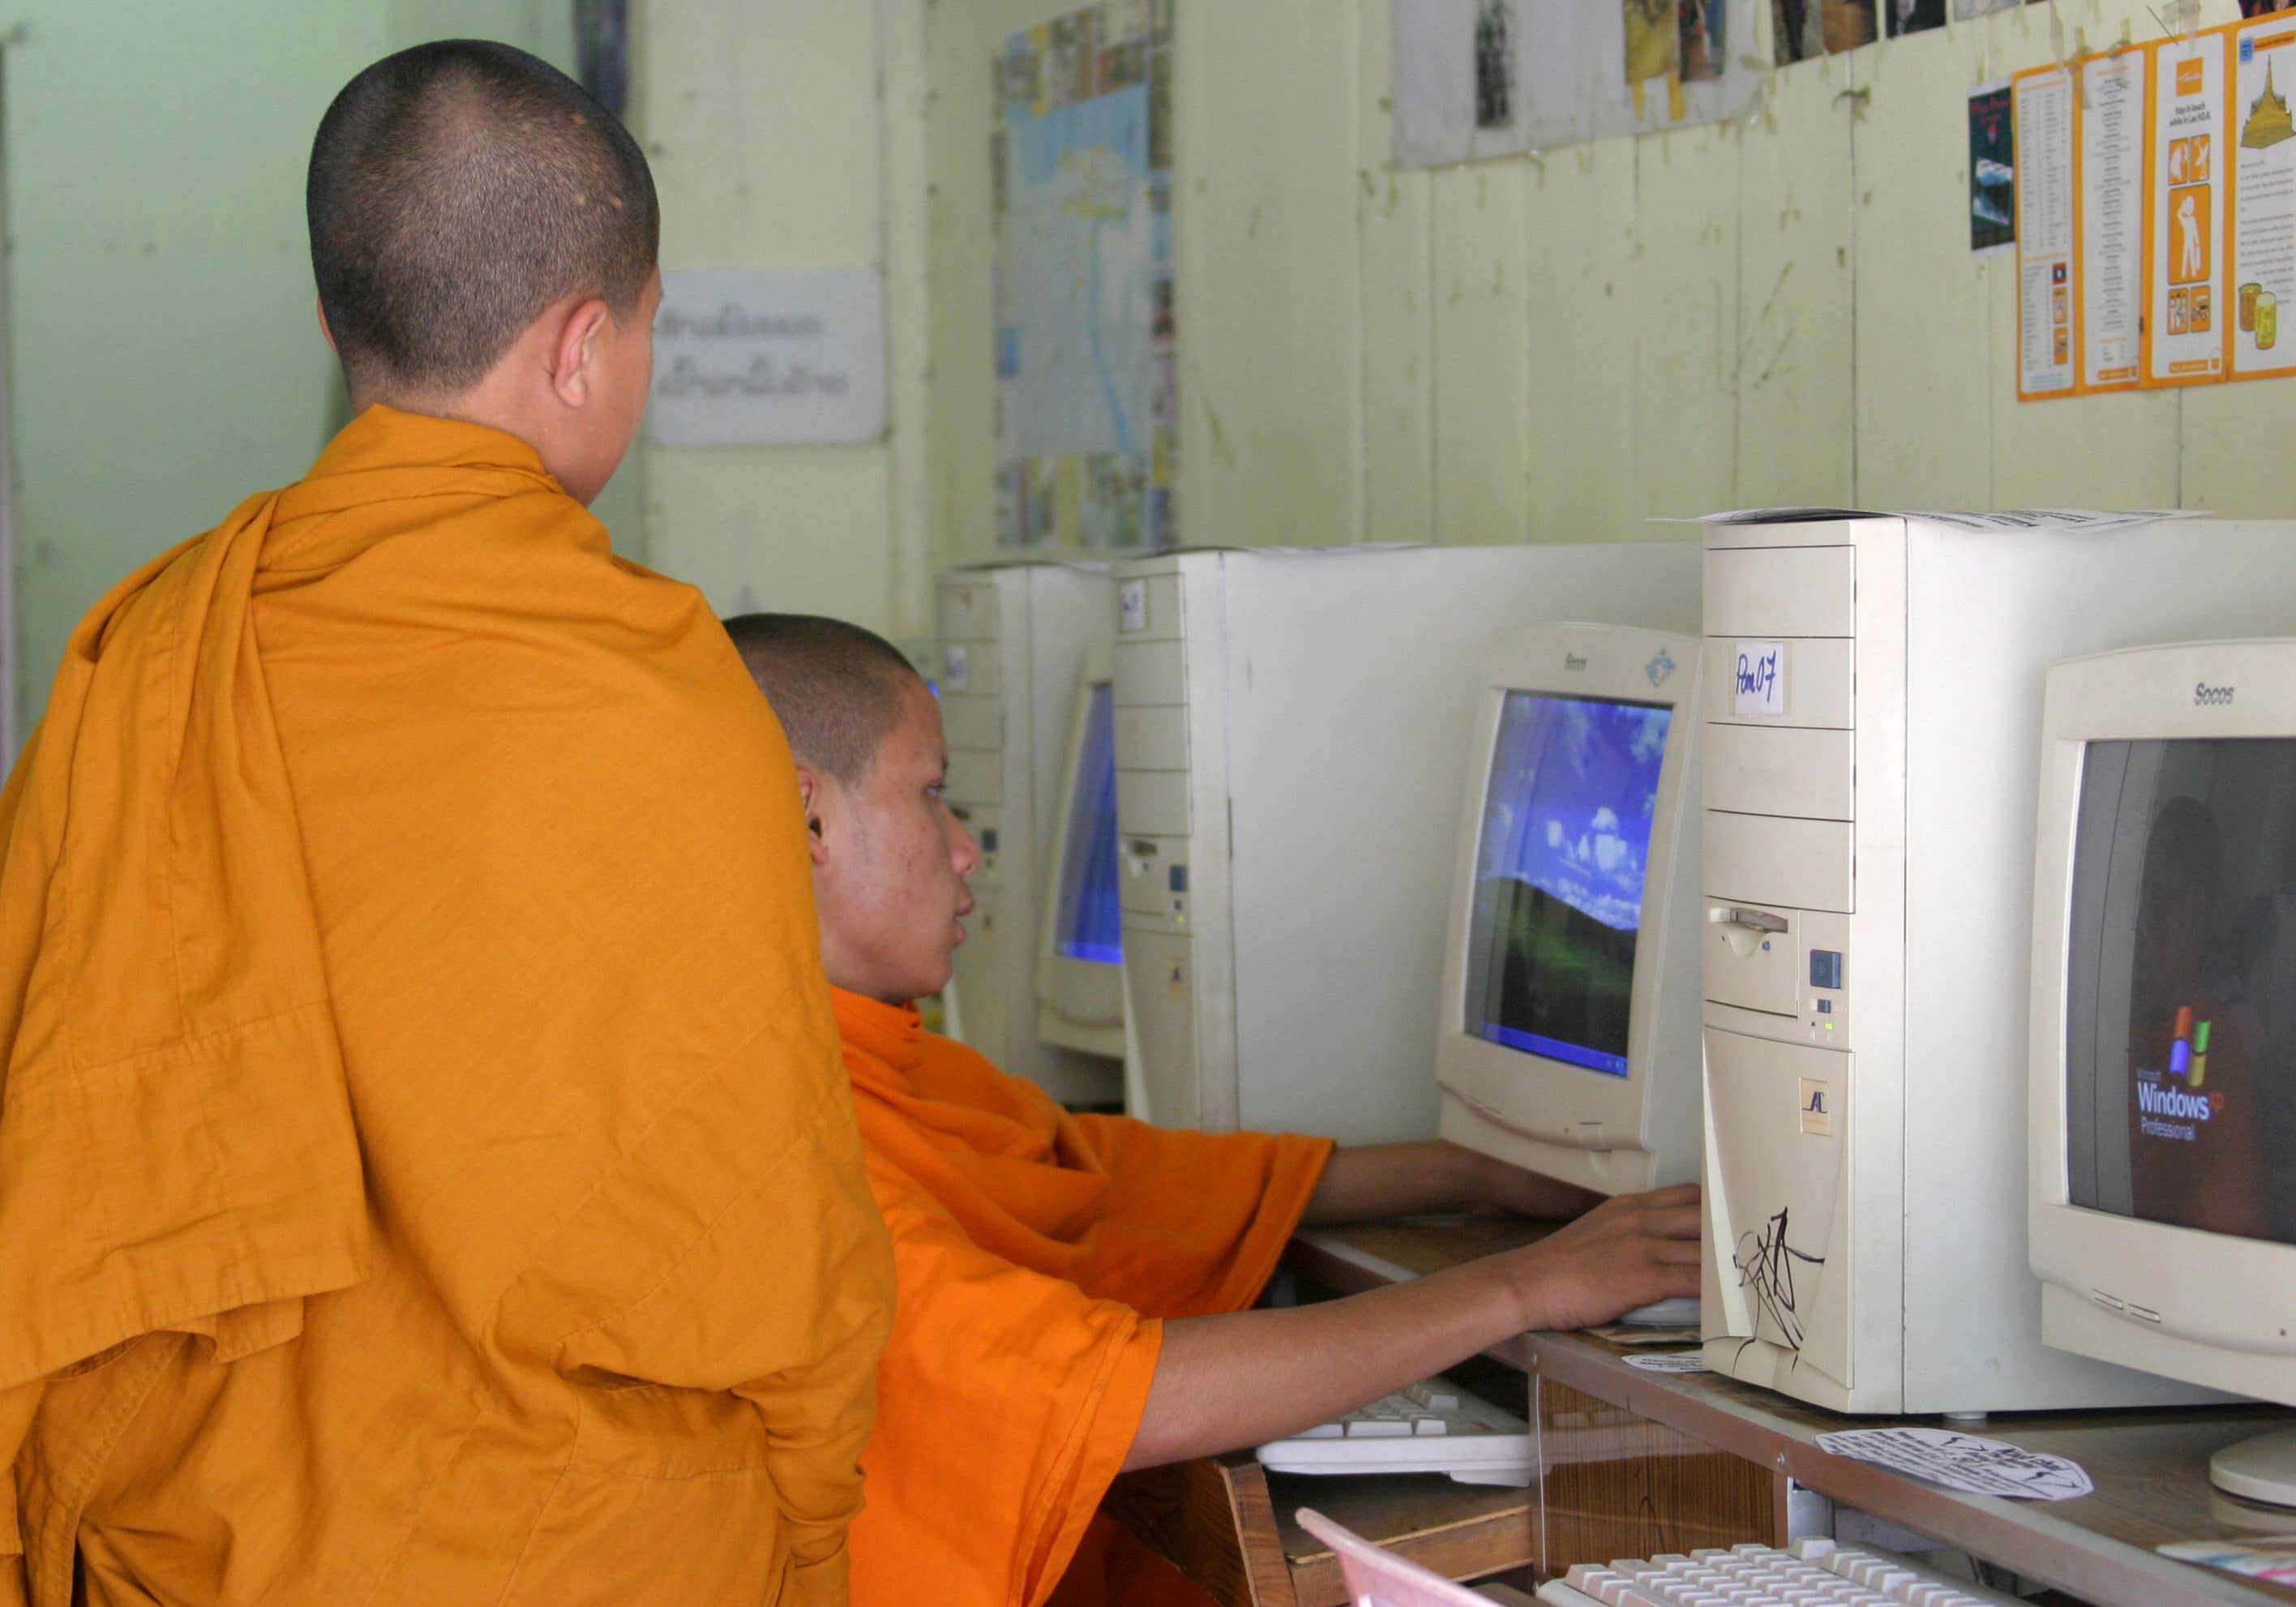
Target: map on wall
x=1081 y=160
x=1487 y=78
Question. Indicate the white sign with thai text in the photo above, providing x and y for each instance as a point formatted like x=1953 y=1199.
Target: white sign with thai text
x=780 y=356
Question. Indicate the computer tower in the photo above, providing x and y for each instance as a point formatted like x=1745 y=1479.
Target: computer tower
x=1874 y=692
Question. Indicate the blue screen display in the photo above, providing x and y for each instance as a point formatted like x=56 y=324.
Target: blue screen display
x=1565 y=846
x=1091 y=916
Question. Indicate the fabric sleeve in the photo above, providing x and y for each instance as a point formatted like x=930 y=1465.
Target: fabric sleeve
x=1244 y=1192
x=1007 y=1401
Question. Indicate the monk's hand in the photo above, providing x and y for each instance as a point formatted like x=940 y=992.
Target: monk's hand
x=1626 y=1253
x=1510 y=1190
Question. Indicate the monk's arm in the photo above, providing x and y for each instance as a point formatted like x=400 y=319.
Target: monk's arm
x=1362 y=1185
x=1247 y=1377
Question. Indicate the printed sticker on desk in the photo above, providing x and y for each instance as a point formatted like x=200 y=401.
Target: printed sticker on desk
x=1678 y=1361
x=1758 y=680
x=1132 y=605
x=1964 y=1462
x=2272 y=1560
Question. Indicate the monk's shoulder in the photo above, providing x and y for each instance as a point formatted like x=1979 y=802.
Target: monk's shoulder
x=958 y=1071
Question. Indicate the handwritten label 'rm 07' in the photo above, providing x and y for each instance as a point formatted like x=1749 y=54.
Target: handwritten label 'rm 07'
x=1758 y=681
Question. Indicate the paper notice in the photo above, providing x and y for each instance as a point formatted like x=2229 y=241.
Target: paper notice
x=2056 y=519
x=1964 y=1462
x=2263 y=244
x=1680 y=1361
x=2273 y=1560
x=2185 y=212
x=1992 y=173
x=1997 y=519
x=2043 y=119
x=2108 y=273
x=1772 y=516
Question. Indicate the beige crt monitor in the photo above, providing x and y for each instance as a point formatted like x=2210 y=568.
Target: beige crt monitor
x=1014 y=638
x=2162 y=1072
x=1080 y=945
x=1567 y=1031
x=1291 y=728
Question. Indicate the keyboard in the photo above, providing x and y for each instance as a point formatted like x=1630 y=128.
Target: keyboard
x=1434 y=1427
x=1811 y=1573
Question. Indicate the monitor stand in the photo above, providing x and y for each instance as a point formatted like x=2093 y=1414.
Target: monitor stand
x=2262 y=1469
x=1680 y=1312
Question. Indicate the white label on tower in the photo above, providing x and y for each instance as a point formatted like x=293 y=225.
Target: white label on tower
x=1132 y=605
x=1758 y=679
x=956 y=668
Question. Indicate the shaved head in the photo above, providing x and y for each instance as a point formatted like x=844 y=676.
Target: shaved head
x=837 y=688
x=457 y=190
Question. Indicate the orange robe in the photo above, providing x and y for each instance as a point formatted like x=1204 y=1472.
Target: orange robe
x=1036 y=1254
x=426 y=1174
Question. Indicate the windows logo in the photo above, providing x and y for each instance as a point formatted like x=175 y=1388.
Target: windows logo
x=2188 y=1055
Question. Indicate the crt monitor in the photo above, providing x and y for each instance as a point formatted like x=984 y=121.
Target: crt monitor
x=1080 y=952
x=2162 y=1096
x=2164 y=1025
x=1568 y=1035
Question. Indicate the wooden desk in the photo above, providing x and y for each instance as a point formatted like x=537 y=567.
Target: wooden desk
x=1228 y=1524
x=1609 y=1433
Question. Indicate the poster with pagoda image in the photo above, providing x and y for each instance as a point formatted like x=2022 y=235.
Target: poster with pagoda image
x=2263 y=244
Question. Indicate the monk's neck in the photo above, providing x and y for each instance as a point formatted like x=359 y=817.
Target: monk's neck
x=465 y=407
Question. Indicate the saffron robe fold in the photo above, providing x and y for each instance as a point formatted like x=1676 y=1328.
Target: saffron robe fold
x=1036 y=1254
x=426 y=1172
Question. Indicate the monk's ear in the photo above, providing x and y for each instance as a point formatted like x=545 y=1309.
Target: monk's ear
x=327 y=330
x=574 y=357
x=809 y=791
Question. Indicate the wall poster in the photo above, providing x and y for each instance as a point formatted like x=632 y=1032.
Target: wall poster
x=2176 y=164
x=1086 y=393
x=1487 y=78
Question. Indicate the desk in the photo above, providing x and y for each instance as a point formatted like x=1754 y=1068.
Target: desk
x=1620 y=1428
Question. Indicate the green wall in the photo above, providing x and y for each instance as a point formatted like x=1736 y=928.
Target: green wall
x=165 y=360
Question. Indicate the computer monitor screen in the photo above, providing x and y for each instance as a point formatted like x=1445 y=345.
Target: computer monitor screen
x=1564 y=848
x=1091 y=919
x=2180 y=987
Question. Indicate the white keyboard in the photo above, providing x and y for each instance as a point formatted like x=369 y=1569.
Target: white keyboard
x=1433 y=1427
x=1812 y=1573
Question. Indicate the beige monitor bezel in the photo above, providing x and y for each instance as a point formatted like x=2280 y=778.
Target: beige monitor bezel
x=1552 y=1106
x=2225 y=1308
x=1080 y=1003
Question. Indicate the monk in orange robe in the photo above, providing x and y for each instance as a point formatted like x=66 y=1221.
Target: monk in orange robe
x=1073 y=1288
x=426 y=1172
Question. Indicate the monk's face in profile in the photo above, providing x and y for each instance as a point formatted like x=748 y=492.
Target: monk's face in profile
x=890 y=862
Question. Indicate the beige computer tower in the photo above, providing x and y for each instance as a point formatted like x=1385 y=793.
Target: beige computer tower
x=1873 y=698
